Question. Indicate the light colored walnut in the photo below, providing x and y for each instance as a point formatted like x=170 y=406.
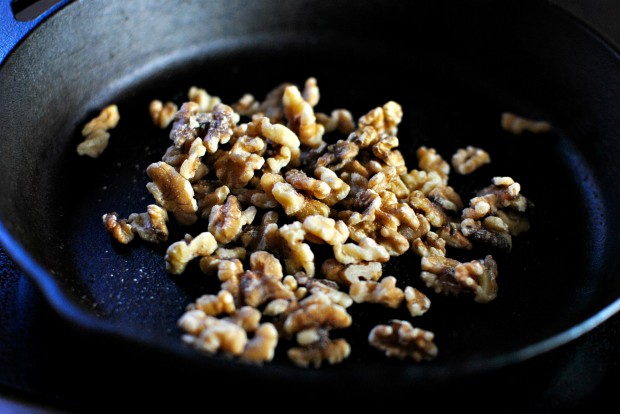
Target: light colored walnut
x=298 y=289
x=446 y=197
x=317 y=311
x=417 y=302
x=384 y=150
x=339 y=119
x=429 y=245
x=185 y=126
x=467 y=160
x=215 y=305
x=257 y=289
x=150 y=226
x=401 y=340
x=217 y=335
x=423 y=181
x=262 y=346
x=235 y=168
x=276 y=307
x=338 y=188
x=384 y=120
x=118 y=228
x=262 y=237
x=366 y=251
x=172 y=192
x=246 y=105
x=336 y=296
x=301 y=256
x=209 y=194
x=229 y=273
x=346 y=275
x=267 y=264
x=221 y=127
x=296 y=204
x=384 y=292
x=338 y=155
x=433 y=213
x=300 y=181
x=192 y=321
x=301 y=118
x=310 y=336
x=205 y=102
x=479 y=276
x=452 y=235
x=438 y=274
x=246 y=317
x=95 y=132
x=279 y=160
x=311 y=92
x=191 y=165
x=281 y=135
x=429 y=161
x=210 y=264
x=162 y=114
x=332 y=351
x=517 y=124
x=326 y=229
x=226 y=221
x=181 y=252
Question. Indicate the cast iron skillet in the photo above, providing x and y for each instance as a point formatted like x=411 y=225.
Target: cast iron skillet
x=454 y=66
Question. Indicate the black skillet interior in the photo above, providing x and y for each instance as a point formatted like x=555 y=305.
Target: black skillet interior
x=453 y=68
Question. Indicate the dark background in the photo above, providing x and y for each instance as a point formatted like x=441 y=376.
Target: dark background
x=48 y=366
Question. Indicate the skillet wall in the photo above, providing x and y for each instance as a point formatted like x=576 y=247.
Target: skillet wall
x=89 y=51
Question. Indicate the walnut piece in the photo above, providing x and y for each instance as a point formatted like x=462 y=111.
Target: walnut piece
x=162 y=114
x=384 y=292
x=227 y=220
x=150 y=226
x=262 y=346
x=417 y=302
x=332 y=351
x=366 y=251
x=181 y=252
x=326 y=229
x=467 y=160
x=317 y=311
x=301 y=118
x=119 y=229
x=221 y=127
x=516 y=124
x=173 y=192
x=214 y=334
x=205 y=102
x=401 y=340
x=216 y=305
x=301 y=257
x=346 y=275
x=94 y=132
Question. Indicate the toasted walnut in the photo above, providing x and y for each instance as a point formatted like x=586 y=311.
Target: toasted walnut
x=301 y=256
x=162 y=114
x=277 y=307
x=430 y=161
x=296 y=204
x=150 y=226
x=192 y=321
x=430 y=245
x=172 y=192
x=311 y=92
x=246 y=317
x=205 y=101
x=301 y=118
x=438 y=274
x=326 y=230
x=433 y=213
x=331 y=291
x=229 y=273
x=94 y=132
x=221 y=127
x=300 y=181
x=281 y=135
x=401 y=340
x=452 y=235
x=338 y=189
x=366 y=251
x=417 y=302
x=479 y=233
x=332 y=351
x=227 y=220
x=479 y=276
x=208 y=195
x=267 y=264
x=210 y=264
x=246 y=105
x=317 y=311
x=384 y=292
x=217 y=335
x=339 y=119
x=263 y=237
x=446 y=198
x=235 y=168
x=262 y=346
x=467 y=160
x=338 y=155
x=257 y=289
x=216 y=305
x=119 y=229
x=383 y=120
x=181 y=252
x=185 y=126
x=516 y=124
x=384 y=150
x=347 y=274
x=192 y=163
x=423 y=181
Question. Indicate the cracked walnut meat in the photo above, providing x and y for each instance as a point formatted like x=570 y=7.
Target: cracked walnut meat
x=297 y=211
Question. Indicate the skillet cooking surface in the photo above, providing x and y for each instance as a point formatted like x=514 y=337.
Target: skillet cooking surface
x=552 y=280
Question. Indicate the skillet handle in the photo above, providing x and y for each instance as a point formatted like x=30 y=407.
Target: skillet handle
x=13 y=31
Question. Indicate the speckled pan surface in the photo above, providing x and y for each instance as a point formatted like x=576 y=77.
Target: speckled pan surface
x=453 y=68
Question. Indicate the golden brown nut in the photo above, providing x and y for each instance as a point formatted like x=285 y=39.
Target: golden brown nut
x=227 y=220
x=332 y=351
x=516 y=124
x=479 y=276
x=339 y=119
x=246 y=105
x=430 y=161
x=417 y=302
x=317 y=311
x=338 y=188
x=235 y=168
x=205 y=102
x=150 y=226
x=216 y=305
x=267 y=264
x=209 y=194
x=429 y=245
x=384 y=120
x=311 y=92
x=119 y=229
x=94 y=132
x=438 y=274
x=467 y=160
x=246 y=317
x=296 y=204
x=326 y=230
x=162 y=114
x=301 y=118
x=262 y=237
x=301 y=256
x=262 y=346
x=384 y=292
x=401 y=340
x=181 y=252
x=221 y=127
x=345 y=275
x=172 y=192
x=217 y=335
x=300 y=181
x=366 y=251
x=257 y=289
x=191 y=166
x=210 y=264
x=185 y=126
x=433 y=213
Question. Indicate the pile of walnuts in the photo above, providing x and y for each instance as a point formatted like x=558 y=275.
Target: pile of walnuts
x=287 y=179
